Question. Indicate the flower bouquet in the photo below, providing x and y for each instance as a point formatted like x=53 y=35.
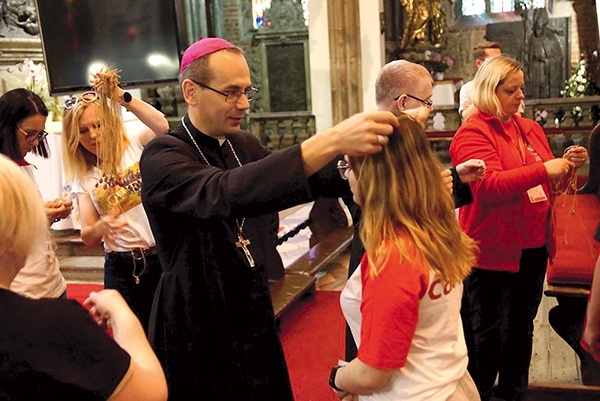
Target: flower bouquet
x=576 y=115
x=35 y=81
x=436 y=63
x=580 y=83
x=540 y=116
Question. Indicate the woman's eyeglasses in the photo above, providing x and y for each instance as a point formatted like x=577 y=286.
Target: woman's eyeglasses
x=343 y=168
x=32 y=137
x=87 y=97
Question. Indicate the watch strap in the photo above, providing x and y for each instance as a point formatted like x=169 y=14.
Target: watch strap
x=332 y=376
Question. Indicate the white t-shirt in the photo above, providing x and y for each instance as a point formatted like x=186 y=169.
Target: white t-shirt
x=41 y=276
x=127 y=199
x=405 y=319
x=463 y=97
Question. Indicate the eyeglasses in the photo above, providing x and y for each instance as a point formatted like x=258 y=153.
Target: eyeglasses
x=31 y=138
x=343 y=168
x=427 y=103
x=232 y=97
x=88 y=97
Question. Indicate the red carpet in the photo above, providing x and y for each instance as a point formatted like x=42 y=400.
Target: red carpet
x=80 y=291
x=313 y=337
x=313 y=333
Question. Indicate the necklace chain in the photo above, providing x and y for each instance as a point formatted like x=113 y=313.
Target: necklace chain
x=137 y=276
x=241 y=243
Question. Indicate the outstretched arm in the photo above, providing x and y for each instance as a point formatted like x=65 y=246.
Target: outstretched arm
x=361 y=134
x=471 y=170
x=144 y=379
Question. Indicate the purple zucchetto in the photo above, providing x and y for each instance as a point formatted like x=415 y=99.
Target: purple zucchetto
x=201 y=48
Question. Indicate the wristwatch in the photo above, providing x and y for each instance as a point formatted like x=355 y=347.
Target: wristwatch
x=332 y=378
x=127 y=97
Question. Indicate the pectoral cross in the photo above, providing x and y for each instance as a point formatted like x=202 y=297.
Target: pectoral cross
x=243 y=243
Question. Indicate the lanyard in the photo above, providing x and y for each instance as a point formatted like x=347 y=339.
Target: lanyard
x=521 y=145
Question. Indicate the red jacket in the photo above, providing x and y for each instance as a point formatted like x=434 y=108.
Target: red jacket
x=494 y=218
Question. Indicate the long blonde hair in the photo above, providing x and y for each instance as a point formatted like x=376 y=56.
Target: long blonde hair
x=114 y=138
x=77 y=160
x=403 y=196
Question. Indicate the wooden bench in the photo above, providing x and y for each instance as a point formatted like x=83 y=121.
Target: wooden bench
x=70 y=244
x=80 y=268
x=569 y=278
x=289 y=289
x=321 y=254
x=299 y=279
x=561 y=391
x=570 y=290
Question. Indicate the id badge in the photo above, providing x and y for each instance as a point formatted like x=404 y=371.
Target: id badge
x=536 y=194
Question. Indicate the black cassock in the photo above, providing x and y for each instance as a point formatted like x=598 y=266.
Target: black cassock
x=212 y=323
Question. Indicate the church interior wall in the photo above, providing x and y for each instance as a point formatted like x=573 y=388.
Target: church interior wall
x=232 y=20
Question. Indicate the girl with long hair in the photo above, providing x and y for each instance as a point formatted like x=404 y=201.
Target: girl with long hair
x=101 y=156
x=403 y=303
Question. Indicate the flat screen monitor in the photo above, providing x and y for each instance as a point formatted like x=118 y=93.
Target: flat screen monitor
x=138 y=37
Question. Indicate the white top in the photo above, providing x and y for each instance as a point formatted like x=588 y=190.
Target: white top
x=41 y=276
x=463 y=97
x=127 y=199
x=436 y=351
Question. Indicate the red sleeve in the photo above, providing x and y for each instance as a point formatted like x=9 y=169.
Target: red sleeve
x=390 y=310
x=505 y=175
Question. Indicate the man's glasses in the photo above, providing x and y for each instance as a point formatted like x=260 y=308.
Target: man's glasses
x=343 y=168
x=88 y=97
x=32 y=137
x=232 y=97
x=427 y=103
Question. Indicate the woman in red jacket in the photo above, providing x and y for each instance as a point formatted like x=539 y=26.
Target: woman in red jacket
x=511 y=220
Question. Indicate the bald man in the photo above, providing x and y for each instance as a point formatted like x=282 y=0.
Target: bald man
x=403 y=86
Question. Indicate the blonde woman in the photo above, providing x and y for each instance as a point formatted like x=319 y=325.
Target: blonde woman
x=52 y=348
x=511 y=219
x=101 y=156
x=403 y=303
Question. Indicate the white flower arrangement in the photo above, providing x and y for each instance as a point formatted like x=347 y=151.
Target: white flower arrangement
x=579 y=84
x=540 y=116
x=435 y=62
x=576 y=114
x=35 y=81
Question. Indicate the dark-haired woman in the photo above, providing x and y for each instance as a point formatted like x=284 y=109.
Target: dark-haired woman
x=22 y=121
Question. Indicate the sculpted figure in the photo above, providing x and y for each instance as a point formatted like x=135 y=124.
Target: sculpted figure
x=425 y=20
x=19 y=15
x=545 y=62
